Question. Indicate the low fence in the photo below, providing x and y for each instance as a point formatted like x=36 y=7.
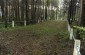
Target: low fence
x=13 y=23
x=77 y=43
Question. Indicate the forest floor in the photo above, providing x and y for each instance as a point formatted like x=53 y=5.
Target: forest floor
x=47 y=38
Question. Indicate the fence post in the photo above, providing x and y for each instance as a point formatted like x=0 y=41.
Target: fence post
x=61 y=18
x=77 y=47
x=71 y=33
x=13 y=23
x=25 y=23
x=69 y=28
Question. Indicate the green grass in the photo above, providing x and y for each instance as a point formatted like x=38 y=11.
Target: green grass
x=45 y=28
x=82 y=34
x=49 y=26
x=50 y=36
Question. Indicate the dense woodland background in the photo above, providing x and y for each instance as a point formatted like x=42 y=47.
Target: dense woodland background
x=25 y=12
x=29 y=11
x=40 y=26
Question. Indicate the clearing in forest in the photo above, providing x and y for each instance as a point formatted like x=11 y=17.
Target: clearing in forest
x=47 y=38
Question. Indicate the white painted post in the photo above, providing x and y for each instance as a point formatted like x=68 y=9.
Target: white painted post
x=57 y=18
x=71 y=34
x=38 y=21
x=42 y=21
x=77 y=47
x=25 y=23
x=61 y=18
x=13 y=23
x=69 y=28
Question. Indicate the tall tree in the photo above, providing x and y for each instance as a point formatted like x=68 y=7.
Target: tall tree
x=82 y=23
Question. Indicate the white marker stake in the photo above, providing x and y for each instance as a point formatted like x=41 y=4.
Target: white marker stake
x=25 y=23
x=61 y=18
x=69 y=28
x=71 y=34
x=38 y=21
x=77 y=47
x=13 y=24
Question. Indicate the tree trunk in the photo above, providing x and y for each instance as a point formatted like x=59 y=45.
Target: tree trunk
x=82 y=23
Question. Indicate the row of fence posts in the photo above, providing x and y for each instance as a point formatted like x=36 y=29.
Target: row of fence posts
x=77 y=42
x=13 y=23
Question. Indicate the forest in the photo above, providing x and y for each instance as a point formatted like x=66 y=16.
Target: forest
x=42 y=27
x=25 y=12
